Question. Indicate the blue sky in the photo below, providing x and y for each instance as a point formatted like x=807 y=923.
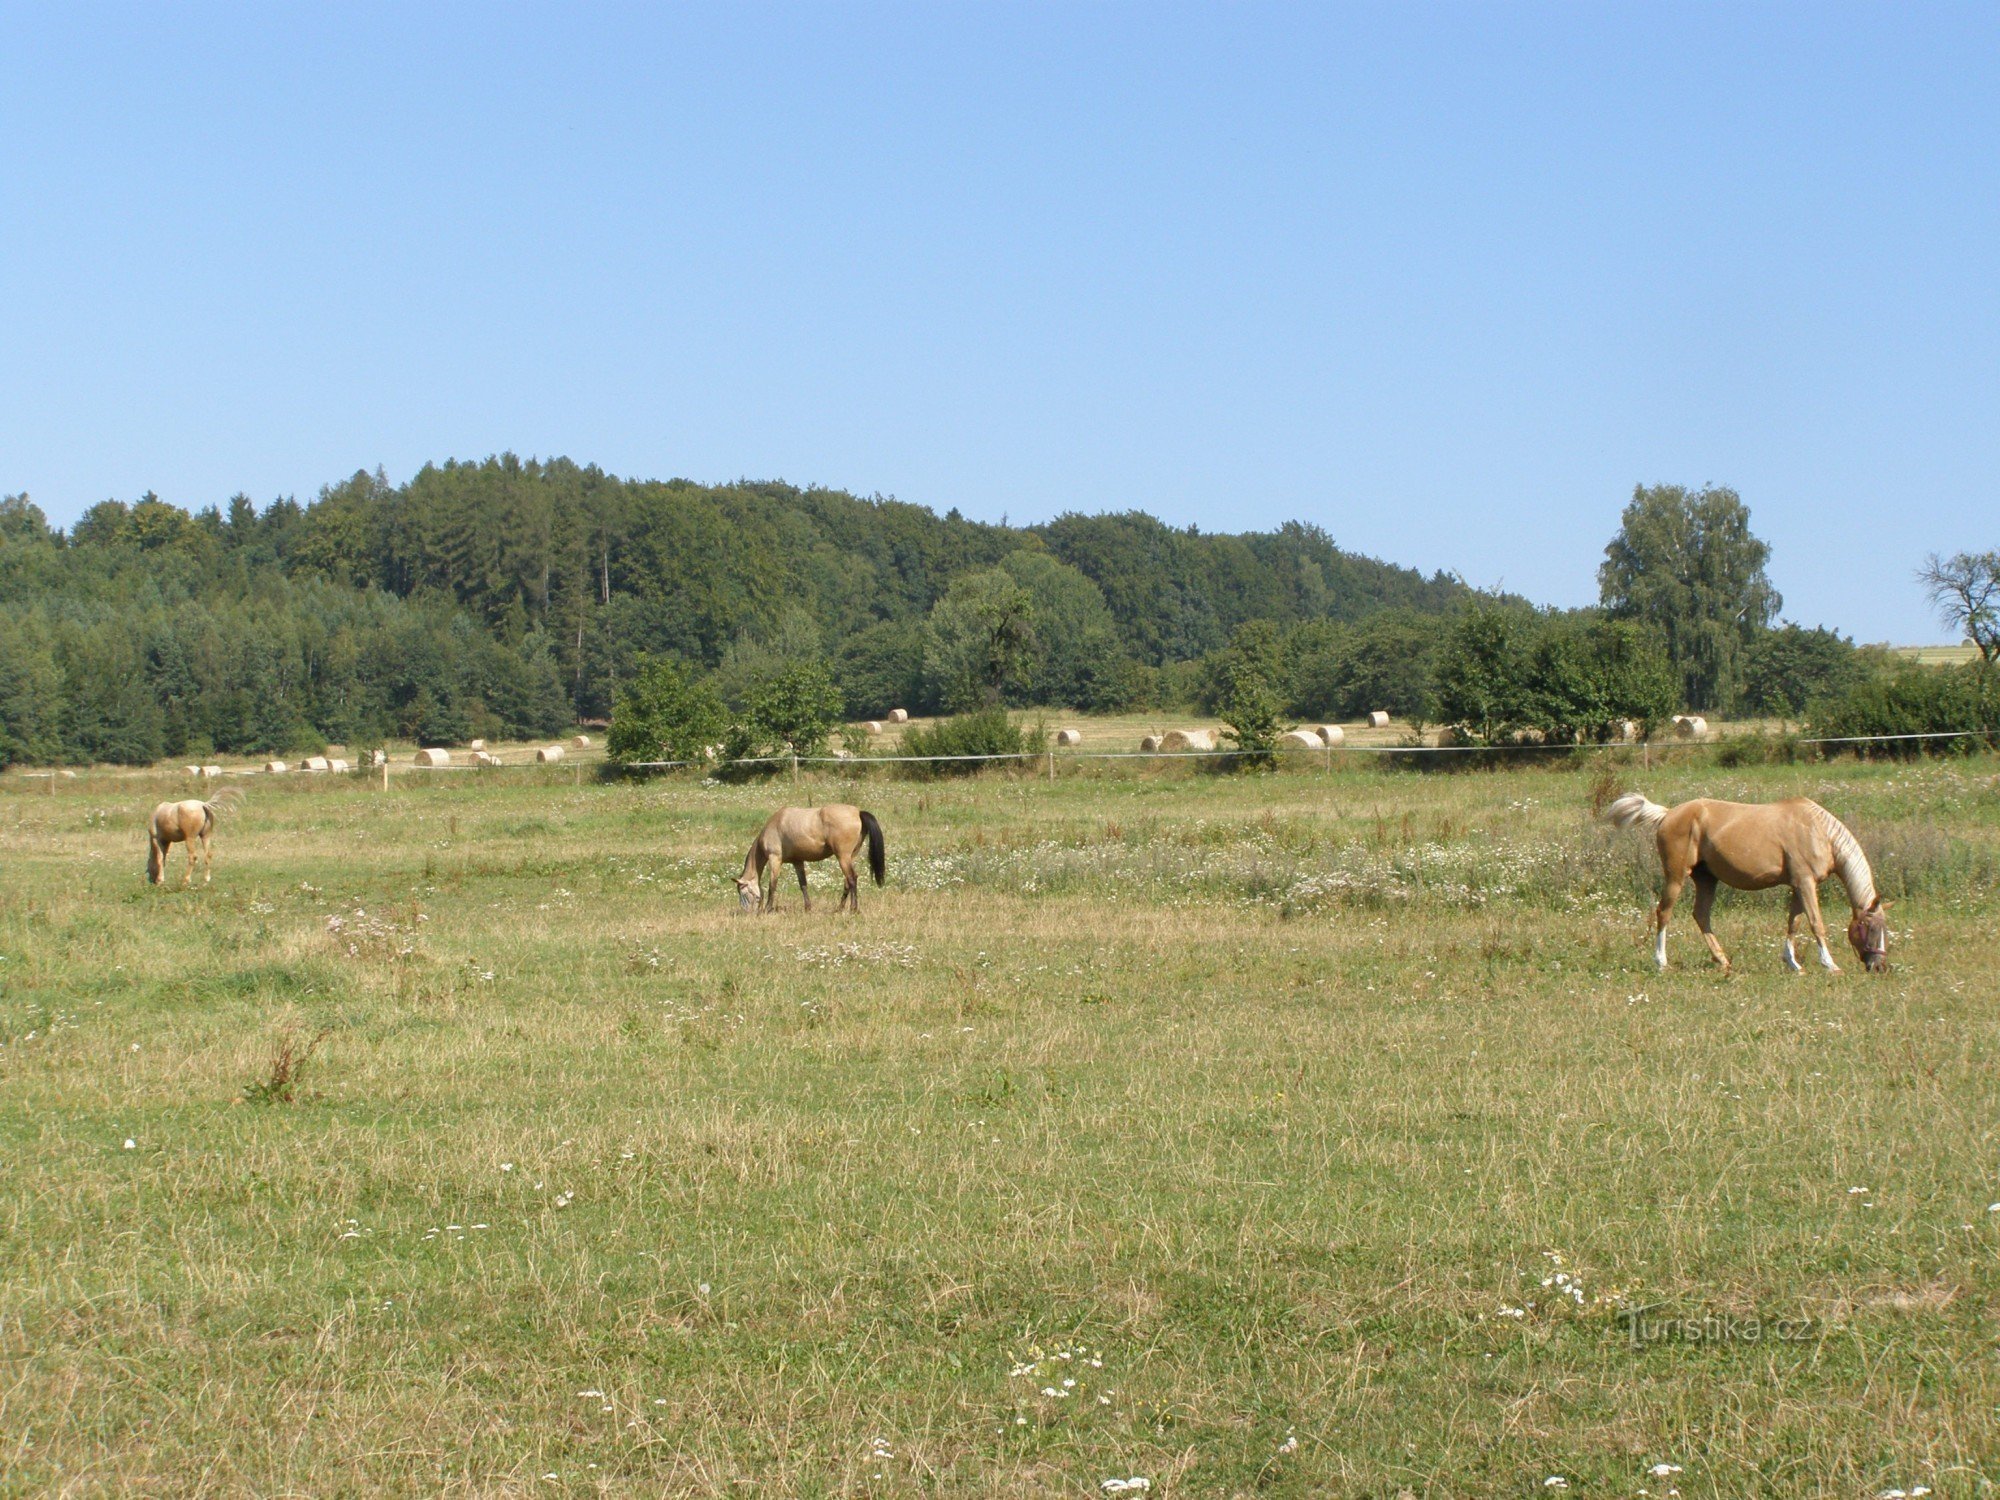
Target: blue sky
x=1447 y=280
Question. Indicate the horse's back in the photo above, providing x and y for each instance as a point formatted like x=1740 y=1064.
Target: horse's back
x=1748 y=844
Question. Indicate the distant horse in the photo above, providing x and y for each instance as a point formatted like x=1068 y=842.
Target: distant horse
x=1751 y=847
x=188 y=823
x=796 y=835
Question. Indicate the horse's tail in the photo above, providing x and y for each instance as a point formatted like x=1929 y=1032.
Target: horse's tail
x=878 y=863
x=156 y=858
x=1634 y=810
x=223 y=801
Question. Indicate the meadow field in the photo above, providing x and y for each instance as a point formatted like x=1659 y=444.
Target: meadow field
x=1151 y=1132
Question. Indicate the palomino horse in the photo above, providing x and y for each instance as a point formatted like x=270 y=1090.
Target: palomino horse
x=796 y=835
x=188 y=823
x=1753 y=846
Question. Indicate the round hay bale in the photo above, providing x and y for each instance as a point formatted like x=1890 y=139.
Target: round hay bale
x=475 y=744
x=433 y=757
x=1691 y=727
x=485 y=758
x=208 y=773
x=1149 y=745
x=581 y=742
x=1330 y=734
x=548 y=755
x=316 y=764
x=192 y=770
x=336 y=765
x=275 y=767
x=1068 y=737
x=1379 y=719
x=899 y=716
x=873 y=726
x=1300 y=739
x=1188 y=739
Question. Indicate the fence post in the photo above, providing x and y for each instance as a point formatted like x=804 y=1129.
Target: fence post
x=795 y=768
x=385 y=771
x=1052 y=765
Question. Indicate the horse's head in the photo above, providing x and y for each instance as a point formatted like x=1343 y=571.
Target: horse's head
x=747 y=892
x=1869 y=933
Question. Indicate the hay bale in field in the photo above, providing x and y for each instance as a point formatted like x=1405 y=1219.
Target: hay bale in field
x=433 y=757
x=1300 y=739
x=475 y=744
x=485 y=758
x=1330 y=734
x=208 y=773
x=192 y=770
x=336 y=765
x=1379 y=719
x=1628 y=731
x=581 y=742
x=873 y=726
x=318 y=764
x=1690 y=726
x=899 y=716
x=275 y=767
x=548 y=755
x=1069 y=737
x=1188 y=739
x=1149 y=744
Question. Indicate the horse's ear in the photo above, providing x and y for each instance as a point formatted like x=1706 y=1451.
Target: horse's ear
x=1880 y=905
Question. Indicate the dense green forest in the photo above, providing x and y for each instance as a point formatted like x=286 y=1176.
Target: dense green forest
x=508 y=599
x=512 y=598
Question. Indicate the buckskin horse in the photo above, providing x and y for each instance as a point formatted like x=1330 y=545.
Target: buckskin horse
x=1751 y=847
x=189 y=823
x=797 y=836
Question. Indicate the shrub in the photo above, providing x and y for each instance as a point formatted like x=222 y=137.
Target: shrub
x=986 y=732
x=664 y=715
x=1916 y=700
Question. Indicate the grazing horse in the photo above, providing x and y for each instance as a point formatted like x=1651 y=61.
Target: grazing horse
x=188 y=823
x=1753 y=846
x=796 y=835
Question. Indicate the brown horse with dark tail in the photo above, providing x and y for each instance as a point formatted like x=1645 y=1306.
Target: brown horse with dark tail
x=796 y=836
x=1751 y=847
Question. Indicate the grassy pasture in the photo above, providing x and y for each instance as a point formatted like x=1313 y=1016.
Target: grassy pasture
x=1328 y=1130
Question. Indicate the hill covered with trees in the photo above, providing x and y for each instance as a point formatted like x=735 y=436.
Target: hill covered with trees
x=510 y=597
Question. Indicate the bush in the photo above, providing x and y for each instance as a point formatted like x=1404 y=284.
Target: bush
x=662 y=714
x=1916 y=700
x=986 y=732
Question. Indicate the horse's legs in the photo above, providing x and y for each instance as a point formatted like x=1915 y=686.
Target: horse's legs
x=1792 y=931
x=1670 y=892
x=1808 y=893
x=804 y=894
x=1704 y=903
x=850 y=894
x=207 y=860
x=187 y=875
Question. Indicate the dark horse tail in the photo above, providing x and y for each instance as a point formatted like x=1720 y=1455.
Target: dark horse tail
x=878 y=864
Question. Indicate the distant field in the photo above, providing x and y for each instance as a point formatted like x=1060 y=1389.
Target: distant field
x=1323 y=1133
x=1940 y=656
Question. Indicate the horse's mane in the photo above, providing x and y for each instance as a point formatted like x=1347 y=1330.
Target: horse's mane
x=1848 y=861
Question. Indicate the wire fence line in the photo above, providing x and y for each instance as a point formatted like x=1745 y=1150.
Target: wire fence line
x=1051 y=758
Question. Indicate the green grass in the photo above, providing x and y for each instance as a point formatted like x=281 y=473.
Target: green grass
x=1269 y=1101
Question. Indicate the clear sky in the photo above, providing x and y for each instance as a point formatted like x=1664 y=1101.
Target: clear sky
x=1447 y=280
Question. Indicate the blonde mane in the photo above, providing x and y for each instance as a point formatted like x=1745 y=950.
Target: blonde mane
x=1848 y=861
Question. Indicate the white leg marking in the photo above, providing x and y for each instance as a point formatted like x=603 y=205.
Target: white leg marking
x=1791 y=956
x=1660 y=947
x=1826 y=960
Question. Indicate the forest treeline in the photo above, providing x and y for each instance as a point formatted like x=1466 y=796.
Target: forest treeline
x=511 y=598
